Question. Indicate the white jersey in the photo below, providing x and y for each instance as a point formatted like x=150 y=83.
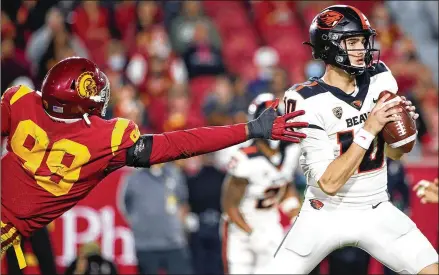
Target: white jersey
x=335 y=117
x=267 y=182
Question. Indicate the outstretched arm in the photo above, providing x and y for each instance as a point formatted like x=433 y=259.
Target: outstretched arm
x=152 y=149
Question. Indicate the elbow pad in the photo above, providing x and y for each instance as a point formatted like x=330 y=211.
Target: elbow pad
x=139 y=154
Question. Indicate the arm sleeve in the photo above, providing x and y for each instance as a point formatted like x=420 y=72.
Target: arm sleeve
x=153 y=149
x=317 y=150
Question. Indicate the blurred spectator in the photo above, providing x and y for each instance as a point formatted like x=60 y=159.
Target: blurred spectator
x=204 y=183
x=398 y=186
x=241 y=98
x=27 y=16
x=13 y=68
x=158 y=79
x=91 y=24
x=424 y=32
x=116 y=57
x=8 y=28
x=280 y=83
x=42 y=249
x=200 y=56
x=180 y=115
x=136 y=22
x=220 y=106
x=265 y=59
x=126 y=105
x=53 y=36
x=155 y=44
x=309 y=9
x=171 y=9
x=90 y=261
x=388 y=32
x=183 y=27
x=276 y=19
x=154 y=202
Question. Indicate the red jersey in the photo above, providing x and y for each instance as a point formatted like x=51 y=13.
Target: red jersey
x=52 y=165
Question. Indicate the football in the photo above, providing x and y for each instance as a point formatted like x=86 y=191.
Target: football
x=402 y=133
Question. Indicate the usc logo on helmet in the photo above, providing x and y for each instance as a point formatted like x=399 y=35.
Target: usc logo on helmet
x=329 y=19
x=86 y=85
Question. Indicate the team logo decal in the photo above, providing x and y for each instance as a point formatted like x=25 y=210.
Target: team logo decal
x=316 y=204
x=357 y=103
x=86 y=86
x=329 y=19
x=338 y=112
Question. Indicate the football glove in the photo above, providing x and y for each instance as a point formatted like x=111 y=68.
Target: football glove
x=271 y=126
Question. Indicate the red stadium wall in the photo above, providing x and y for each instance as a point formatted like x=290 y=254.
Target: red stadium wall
x=97 y=218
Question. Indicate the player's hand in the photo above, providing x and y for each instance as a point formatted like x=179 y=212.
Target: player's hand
x=382 y=114
x=427 y=191
x=410 y=108
x=271 y=126
x=259 y=240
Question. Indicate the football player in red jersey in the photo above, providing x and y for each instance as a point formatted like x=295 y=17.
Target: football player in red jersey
x=60 y=147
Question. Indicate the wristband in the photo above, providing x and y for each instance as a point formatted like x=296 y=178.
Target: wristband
x=363 y=138
x=289 y=204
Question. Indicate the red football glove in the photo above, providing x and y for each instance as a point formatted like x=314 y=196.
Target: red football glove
x=271 y=126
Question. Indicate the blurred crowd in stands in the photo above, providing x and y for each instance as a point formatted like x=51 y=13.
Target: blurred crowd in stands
x=182 y=64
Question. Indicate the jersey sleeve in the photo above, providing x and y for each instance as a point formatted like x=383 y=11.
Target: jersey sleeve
x=386 y=80
x=9 y=97
x=239 y=165
x=124 y=135
x=316 y=149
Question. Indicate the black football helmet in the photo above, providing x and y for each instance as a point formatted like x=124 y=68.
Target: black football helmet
x=331 y=27
x=255 y=109
x=260 y=104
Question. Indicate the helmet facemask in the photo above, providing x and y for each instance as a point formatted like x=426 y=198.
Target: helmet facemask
x=104 y=96
x=339 y=55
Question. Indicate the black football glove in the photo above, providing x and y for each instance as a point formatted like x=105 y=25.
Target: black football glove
x=271 y=126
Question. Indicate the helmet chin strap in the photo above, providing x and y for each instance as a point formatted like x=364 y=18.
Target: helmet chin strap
x=85 y=116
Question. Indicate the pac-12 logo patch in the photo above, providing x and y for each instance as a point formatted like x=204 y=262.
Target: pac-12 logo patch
x=86 y=85
x=316 y=204
x=338 y=112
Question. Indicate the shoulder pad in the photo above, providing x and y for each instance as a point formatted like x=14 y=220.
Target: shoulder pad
x=14 y=93
x=307 y=89
x=380 y=67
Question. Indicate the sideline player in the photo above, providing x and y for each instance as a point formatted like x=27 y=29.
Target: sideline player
x=343 y=157
x=259 y=181
x=60 y=147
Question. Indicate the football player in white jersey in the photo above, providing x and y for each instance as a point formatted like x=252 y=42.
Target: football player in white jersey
x=343 y=157
x=259 y=181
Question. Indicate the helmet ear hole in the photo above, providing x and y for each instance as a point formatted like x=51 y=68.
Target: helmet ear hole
x=73 y=85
